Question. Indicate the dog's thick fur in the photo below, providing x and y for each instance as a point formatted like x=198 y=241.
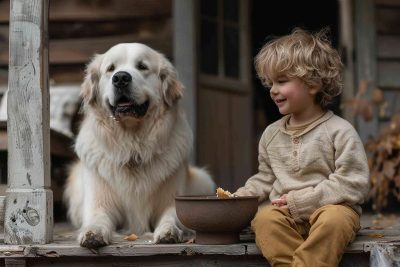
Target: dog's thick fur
x=131 y=165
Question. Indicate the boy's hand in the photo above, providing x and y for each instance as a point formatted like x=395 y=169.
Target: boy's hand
x=281 y=202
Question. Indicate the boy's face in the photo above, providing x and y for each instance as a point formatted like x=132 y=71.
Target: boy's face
x=293 y=96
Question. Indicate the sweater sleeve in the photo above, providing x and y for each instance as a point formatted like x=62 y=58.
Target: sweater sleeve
x=349 y=183
x=259 y=184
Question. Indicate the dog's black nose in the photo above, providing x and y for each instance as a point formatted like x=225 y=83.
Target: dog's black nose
x=121 y=79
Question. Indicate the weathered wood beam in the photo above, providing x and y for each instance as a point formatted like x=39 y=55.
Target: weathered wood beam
x=346 y=35
x=78 y=10
x=184 y=49
x=81 y=50
x=366 y=58
x=14 y=262
x=29 y=200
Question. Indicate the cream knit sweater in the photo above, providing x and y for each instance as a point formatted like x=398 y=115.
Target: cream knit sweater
x=325 y=164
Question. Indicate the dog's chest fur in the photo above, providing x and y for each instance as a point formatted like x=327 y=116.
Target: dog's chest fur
x=135 y=171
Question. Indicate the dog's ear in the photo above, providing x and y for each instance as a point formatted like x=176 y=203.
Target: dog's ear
x=172 y=88
x=89 y=87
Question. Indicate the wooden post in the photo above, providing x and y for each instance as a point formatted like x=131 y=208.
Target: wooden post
x=29 y=200
x=346 y=33
x=185 y=59
x=366 y=58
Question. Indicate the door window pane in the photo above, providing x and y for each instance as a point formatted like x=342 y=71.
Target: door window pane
x=209 y=47
x=209 y=8
x=231 y=10
x=219 y=38
x=231 y=52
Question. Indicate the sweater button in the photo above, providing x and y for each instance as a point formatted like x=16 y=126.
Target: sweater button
x=295 y=153
x=296 y=140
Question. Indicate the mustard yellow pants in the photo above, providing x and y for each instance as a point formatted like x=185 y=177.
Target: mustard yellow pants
x=317 y=243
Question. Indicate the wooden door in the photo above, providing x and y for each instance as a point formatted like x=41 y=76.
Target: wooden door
x=224 y=97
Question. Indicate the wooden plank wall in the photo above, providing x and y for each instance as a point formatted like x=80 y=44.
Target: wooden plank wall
x=387 y=17
x=80 y=28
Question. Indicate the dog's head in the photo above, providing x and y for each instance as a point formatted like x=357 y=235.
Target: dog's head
x=129 y=81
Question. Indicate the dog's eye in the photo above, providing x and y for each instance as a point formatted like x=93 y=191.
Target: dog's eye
x=142 y=66
x=111 y=68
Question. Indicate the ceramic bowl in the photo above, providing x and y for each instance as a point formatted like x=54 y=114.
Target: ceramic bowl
x=216 y=220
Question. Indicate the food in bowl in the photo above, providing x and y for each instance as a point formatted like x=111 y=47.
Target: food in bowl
x=221 y=193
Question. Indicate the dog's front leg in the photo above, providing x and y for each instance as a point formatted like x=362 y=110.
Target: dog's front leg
x=167 y=230
x=96 y=231
x=99 y=213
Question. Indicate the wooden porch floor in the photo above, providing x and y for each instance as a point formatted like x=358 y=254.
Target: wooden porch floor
x=376 y=229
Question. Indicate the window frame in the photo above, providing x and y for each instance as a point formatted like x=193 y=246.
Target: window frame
x=220 y=80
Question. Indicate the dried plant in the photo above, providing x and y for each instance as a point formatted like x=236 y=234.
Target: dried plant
x=383 y=150
x=384 y=163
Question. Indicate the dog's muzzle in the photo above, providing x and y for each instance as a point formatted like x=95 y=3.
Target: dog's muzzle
x=125 y=105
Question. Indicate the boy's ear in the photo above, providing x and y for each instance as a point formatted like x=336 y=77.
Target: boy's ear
x=314 y=90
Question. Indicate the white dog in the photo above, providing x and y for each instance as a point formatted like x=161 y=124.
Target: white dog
x=133 y=147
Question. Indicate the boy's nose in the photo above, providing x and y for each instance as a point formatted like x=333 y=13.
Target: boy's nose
x=273 y=90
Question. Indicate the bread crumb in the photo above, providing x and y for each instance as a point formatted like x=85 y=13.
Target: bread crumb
x=131 y=237
x=377 y=235
x=190 y=241
x=221 y=193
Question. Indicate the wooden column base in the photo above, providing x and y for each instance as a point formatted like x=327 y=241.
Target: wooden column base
x=29 y=216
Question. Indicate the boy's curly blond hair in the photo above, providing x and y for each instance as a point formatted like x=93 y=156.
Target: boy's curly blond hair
x=307 y=56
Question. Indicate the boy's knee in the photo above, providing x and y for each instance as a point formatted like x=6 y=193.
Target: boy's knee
x=337 y=217
x=268 y=216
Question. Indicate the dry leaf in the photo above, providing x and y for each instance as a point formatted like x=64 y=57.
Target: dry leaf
x=376 y=235
x=375 y=222
x=383 y=149
x=397 y=142
x=377 y=96
x=382 y=109
x=362 y=87
x=389 y=169
x=131 y=237
x=365 y=109
x=396 y=193
x=396 y=180
x=388 y=146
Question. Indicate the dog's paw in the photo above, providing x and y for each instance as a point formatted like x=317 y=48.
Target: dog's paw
x=94 y=237
x=168 y=234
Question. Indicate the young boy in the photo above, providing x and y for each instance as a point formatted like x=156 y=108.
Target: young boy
x=312 y=163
